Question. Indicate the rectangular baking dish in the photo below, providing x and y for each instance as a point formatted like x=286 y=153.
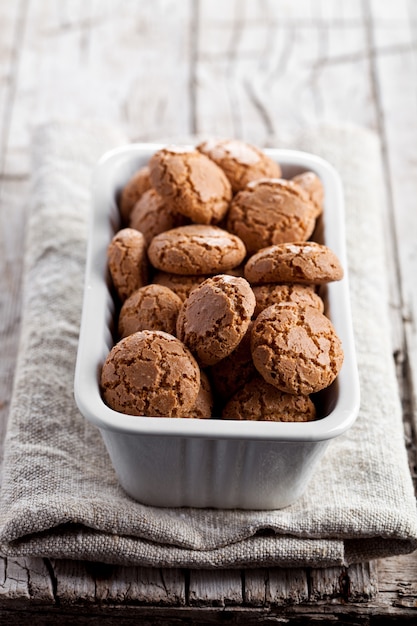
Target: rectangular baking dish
x=209 y=463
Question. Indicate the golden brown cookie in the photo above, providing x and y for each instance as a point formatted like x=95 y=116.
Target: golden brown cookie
x=260 y=401
x=196 y=249
x=234 y=371
x=240 y=161
x=151 y=215
x=178 y=283
x=270 y=211
x=215 y=317
x=150 y=373
x=312 y=185
x=132 y=191
x=203 y=407
x=299 y=262
x=127 y=261
x=296 y=349
x=191 y=183
x=273 y=293
x=152 y=307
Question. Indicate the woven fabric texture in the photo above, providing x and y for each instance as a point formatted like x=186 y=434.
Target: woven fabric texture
x=60 y=496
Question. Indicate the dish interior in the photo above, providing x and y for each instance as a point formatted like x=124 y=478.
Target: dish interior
x=337 y=406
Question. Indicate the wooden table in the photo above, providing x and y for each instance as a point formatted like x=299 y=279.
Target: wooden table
x=234 y=68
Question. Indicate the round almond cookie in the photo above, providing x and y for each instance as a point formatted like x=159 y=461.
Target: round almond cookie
x=215 y=317
x=312 y=185
x=132 y=191
x=178 y=283
x=151 y=215
x=196 y=249
x=127 y=261
x=296 y=349
x=150 y=373
x=152 y=307
x=191 y=183
x=270 y=211
x=273 y=293
x=234 y=371
x=298 y=262
x=203 y=407
x=240 y=161
x=260 y=401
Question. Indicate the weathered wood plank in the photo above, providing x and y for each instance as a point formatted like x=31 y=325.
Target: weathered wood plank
x=215 y=587
x=276 y=586
x=396 y=74
x=357 y=583
x=103 y=61
x=74 y=583
x=14 y=580
x=273 y=69
x=144 y=585
x=23 y=580
x=12 y=18
x=251 y=69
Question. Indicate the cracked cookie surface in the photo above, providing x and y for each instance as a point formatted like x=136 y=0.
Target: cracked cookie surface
x=260 y=401
x=196 y=249
x=298 y=262
x=273 y=293
x=151 y=215
x=179 y=283
x=234 y=371
x=152 y=307
x=296 y=350
x=132 y=192
x=203 y=407
x=271 y=211
x=127 y=261
x=312 y=185
x=150 y=373
x=191 y=183
x=215 y=317
x=240 y=161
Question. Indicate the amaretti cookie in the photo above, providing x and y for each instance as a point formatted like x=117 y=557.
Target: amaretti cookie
x=273 y=293
x=127 y=261
x=241 y=161
x=215 y=317
x=271 y=211
x=203 y=406
x=299 y=262
x=312 y=185
x=151 y=215
x=150 y=373
x=132 y=191
x=191 y=183
x=152 y=307
x=296 y=349
x=180 y=284
x=234 y=371
x=260 y=401
x=196 y=249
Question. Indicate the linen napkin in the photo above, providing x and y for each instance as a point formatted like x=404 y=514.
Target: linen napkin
x=60 y=497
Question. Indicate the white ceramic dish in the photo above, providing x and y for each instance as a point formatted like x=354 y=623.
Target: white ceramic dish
x=209 y=463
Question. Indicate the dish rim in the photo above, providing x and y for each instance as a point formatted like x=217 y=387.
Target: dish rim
x=102 y=224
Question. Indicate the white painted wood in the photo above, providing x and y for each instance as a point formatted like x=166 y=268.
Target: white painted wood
x=396 y=74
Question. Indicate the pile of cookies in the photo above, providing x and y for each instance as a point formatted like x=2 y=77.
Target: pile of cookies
x=216 y=277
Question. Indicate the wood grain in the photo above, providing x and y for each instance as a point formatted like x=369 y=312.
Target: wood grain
x=254 y=69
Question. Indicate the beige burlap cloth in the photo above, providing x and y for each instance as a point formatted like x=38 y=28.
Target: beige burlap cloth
x=60 y=497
